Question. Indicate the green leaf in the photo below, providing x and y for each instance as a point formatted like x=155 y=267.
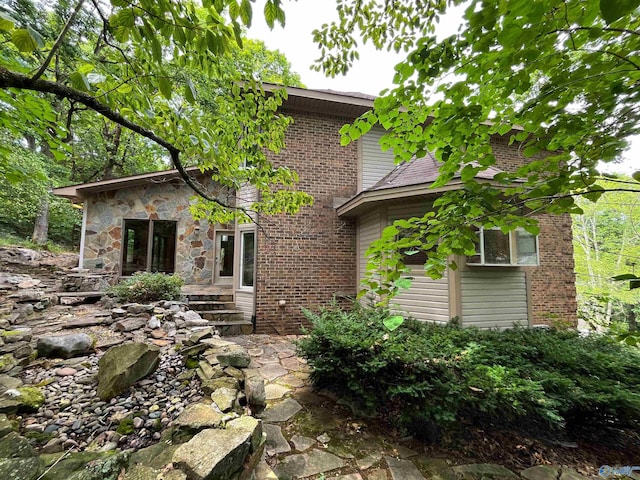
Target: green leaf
x=23 y=40
x=246 y=12
x=612 y=10
x=636 y=176
x=166 y=87
x=79 y=82
x=403 y=283
x=625 y=276
x=6 y=22
x=393 y=322
x=270 y=13
x=190 y=91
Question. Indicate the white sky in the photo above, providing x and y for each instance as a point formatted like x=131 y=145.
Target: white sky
x=374 y=70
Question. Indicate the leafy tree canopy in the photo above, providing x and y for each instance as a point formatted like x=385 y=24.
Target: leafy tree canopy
x=558 y=76
x=141 y=65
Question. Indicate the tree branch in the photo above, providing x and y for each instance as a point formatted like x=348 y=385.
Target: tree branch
x=59 y=40
x=10 y=79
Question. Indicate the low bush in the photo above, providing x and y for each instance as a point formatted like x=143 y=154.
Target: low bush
x=442 y=374
x=148 y=287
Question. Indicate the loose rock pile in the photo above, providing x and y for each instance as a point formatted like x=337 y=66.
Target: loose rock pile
x=190 y=411
x=94 y=384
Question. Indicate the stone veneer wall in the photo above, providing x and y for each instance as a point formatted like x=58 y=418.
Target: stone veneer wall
x=553 y=288
x=106 y=212
x=308 y=258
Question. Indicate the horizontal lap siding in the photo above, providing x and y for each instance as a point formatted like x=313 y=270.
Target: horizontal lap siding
x=494 y=298
x=375 y=163
x=244 y=302
x=426 y=299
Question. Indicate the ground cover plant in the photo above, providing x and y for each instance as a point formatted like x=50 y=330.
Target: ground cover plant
x=148 y=287
x=438 y=376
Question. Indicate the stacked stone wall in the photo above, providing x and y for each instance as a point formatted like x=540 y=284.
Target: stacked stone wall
x=106 y=212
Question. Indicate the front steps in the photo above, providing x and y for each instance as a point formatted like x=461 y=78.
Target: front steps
x=221 y=312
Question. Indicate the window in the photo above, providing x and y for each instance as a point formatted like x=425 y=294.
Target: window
x=148 y=246
x=494 y=248
x=247 y=259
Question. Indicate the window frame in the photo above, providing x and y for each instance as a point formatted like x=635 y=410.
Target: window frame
x=150 y=246
x=241 y=283
x=513 y=250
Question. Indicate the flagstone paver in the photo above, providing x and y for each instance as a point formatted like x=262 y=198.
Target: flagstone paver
x=291 y=380
x=271 y=371
x=483 y=471
x=351 y=476
x=273 y=391
x=276 y=443
x=302 y=443
x=541 y=472
x=281 y=412
x=368 y=461
x=402 y=469
x=378 y=474
x=307 y=464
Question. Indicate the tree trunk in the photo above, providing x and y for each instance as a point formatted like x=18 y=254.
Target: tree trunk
x=41 y=225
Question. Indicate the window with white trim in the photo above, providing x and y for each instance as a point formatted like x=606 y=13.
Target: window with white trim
x=496 y=249
x=247 y=259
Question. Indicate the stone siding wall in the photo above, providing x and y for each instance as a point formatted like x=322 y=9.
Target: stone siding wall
x=553 y=289
x=308 y=258
x=155 y=201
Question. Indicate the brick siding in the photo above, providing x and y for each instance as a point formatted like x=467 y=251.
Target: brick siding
x=308 y=258
x=553 y=290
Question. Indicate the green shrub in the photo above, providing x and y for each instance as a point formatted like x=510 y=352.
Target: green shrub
x=442 y=374
x=148 y=287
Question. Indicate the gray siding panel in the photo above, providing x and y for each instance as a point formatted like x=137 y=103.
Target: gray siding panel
x=494 y=298
x=244 y=302
x=426 y=299
x=368 y=231
x=375 y=163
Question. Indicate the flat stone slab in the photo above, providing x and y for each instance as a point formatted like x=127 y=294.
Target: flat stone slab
x=281 y=412
x=377 y=474
x=541 y=472
x=482 y=471
x=301 y=443
x=570 y=474
x=198 y=416
x=83 y=322
x=213 y=453
x=291 y=380
x=436 y=468
x=369 y=461
x=401 y=469
x=273 y=391
x=276 y=443
x=307 y=464
x=271 y=371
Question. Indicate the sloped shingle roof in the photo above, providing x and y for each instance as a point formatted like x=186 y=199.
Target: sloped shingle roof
x=421 y=171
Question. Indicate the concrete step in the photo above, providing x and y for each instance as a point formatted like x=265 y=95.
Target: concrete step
x=204 y=305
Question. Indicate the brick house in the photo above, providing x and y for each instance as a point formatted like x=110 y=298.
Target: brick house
x=308 y=259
